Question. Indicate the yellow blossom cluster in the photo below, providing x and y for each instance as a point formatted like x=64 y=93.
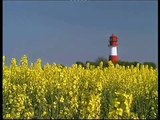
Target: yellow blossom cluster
x=52 y=91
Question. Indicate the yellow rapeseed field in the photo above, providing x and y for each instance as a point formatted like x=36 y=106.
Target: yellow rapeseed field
x=52 y=91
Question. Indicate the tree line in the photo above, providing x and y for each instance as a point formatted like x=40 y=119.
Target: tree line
x=123 y=63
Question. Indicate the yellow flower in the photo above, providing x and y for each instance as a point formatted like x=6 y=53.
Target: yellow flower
x=61 y=99
x=70 y=93
x=87 y=90
x=117 y=103
x=44 y=113
x=119 y=111
x=7 y=116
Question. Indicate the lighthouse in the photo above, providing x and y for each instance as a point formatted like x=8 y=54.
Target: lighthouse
x=113 y=46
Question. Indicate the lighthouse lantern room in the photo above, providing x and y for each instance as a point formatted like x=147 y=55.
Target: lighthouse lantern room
x=113 y=46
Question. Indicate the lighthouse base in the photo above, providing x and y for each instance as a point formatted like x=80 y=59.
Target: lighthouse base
x=114 y=59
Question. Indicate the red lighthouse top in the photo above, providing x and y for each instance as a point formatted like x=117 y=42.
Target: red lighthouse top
x=113 y=40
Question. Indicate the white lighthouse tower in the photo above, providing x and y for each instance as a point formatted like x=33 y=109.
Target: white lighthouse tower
x=113 y=45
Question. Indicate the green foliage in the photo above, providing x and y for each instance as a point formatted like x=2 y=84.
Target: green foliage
x=150 y=64
x=122 y=63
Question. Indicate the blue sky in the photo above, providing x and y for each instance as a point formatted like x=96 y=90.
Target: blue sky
x=66 y=32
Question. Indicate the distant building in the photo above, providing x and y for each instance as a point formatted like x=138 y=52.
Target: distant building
x=113 y=45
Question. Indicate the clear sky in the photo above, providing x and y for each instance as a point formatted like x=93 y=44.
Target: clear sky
x=66 y=32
